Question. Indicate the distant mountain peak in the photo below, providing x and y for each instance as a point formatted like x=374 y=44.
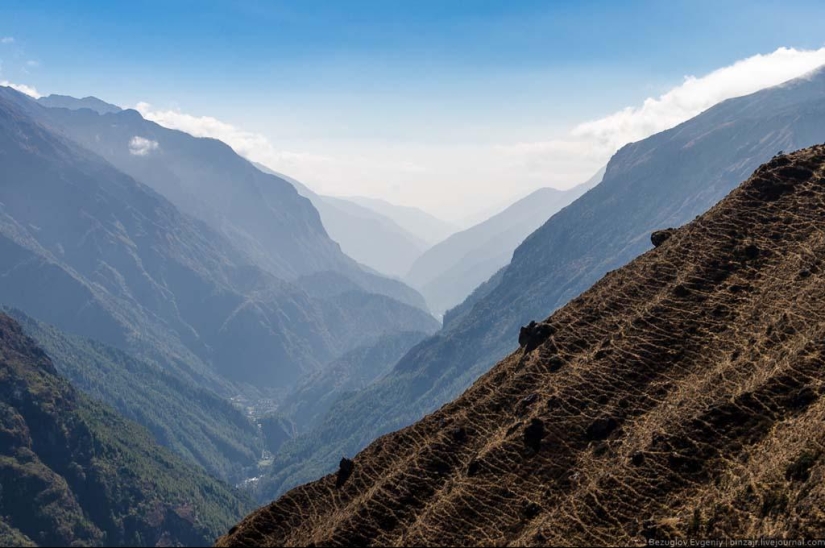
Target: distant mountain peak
x=376 y=240
x=73 y=103
x=424 y=225
x=449 y=271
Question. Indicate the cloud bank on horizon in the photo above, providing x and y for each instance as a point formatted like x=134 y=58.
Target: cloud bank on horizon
x=698 y=94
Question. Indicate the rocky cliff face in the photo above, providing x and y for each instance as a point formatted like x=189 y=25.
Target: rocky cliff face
x=680 y=396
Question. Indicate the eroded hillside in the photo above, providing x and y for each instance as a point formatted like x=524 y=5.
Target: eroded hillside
x=679 y=396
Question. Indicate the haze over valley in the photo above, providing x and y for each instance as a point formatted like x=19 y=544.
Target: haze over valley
x=375 y=273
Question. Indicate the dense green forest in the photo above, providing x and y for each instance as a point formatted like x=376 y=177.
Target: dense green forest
x=73 y=472
x=194 y=422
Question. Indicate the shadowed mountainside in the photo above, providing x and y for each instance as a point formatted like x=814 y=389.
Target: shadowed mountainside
x=681 y=396
x=663 y=181
x=74 y=473
x=307 y=404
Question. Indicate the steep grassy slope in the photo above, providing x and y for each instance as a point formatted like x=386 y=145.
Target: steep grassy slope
x=193 y=422
x=681 y=396
x=663 y=181
x=72 y=471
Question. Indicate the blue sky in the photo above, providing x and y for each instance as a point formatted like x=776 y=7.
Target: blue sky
x=389 y=82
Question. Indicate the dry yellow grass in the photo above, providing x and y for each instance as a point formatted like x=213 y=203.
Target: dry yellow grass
x=681 y=396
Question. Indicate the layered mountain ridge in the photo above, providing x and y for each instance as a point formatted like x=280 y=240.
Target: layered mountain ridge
x=307 y=404
x=679 y=397
x=371 y=238
x=421 y=224
x=449 y=271
x=72 y=103
x=89 y=249
x=261 y=213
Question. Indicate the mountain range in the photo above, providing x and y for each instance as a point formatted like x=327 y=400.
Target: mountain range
x=72 y=103
x=260 y=213
x=663 y=181
x=175 y=319
x=307 y=404
x=93 y=251
x=680 y=397
x=419 y=223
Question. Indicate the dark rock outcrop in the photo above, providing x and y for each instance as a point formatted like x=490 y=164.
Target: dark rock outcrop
x=533 y=434
x=533 y=334
x=601 y=428
x=661 y=236
x=345 y=469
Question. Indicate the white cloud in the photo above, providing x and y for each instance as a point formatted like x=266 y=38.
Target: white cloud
x=7 y=40
x=22 y=88
x=253 y=146
x=592 y=143
x=140 y=146
x=695 y=95
x=204 y=126
x=259 y=148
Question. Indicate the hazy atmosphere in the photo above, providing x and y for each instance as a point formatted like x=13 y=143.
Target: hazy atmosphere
x=412 y=273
